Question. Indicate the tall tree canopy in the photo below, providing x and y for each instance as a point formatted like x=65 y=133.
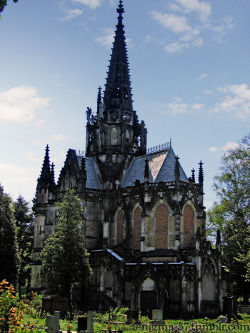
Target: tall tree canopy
x=65 y=260
x=25 y=228
x=3 y=3
x=232 y=214
x=8 y=244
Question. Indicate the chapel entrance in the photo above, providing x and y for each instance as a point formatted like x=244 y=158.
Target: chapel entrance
x=148 y=297
x=148 y=302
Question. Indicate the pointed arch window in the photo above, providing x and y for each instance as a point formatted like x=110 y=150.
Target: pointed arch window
x=188 y=239
x=137 y=229
x=161 y=227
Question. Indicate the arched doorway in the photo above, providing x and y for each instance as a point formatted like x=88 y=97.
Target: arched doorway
x=148 y=297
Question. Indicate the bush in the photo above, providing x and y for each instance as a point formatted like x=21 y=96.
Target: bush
x=8 y=305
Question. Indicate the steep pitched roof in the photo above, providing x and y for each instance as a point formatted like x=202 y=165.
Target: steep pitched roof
x=161 y=168
x=92 y=179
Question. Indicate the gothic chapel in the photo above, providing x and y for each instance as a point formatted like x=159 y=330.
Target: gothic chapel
x=144 y=219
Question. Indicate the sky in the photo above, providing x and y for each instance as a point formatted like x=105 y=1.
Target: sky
x=189 y=66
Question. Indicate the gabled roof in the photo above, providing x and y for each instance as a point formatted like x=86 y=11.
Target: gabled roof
x=161 y=168
x=92 y=179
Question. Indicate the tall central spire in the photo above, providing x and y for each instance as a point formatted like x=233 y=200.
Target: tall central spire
x=114 y=136
x=118 y=90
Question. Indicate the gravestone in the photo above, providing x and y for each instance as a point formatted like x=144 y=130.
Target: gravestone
x=55 y=303
x=85 y=324
x=157 y=314
x=52 y=323
x=82 y=324
x=90 y=320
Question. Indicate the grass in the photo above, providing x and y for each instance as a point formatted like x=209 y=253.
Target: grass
x=116 y=320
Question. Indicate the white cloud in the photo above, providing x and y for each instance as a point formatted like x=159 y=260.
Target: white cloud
x=180 y=26
x=20 y=104
x=19 y=180
x=222 y=29
x=197 y=106
x=93 y=4
x=202 y=76
x=107 y=38
x=178 y=107
x=175 y=47
x=177 y=24
x=213 y=149
x=230 y=145
x=204 y=9
x=71 y=14
x=237 y=100
x=188 y=33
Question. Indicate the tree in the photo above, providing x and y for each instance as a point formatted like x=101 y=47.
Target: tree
x=3 y=3
x=25 y=228
x=65 y=260
x=8 y=244
x=232 y=214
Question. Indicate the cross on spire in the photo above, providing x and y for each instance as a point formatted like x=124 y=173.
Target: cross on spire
x=120 y=9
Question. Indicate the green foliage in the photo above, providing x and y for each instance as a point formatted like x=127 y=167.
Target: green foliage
x=8 y=302
x=65 y=260
x=3 y=3
x=25 y=228
x=232 y=214
x=9 y=260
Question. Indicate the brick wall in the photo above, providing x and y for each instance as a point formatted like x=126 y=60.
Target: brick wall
x=161 y=228
x=137 y=229
x=119 y=229
x=188 y=227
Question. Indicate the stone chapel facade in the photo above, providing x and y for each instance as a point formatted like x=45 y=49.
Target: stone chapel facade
x=144 y=219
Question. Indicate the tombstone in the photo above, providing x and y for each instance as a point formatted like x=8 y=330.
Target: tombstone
x=22 y=291
x=82 y=324
x=157 y=314
x=228 y=306
x=85 y=324
x=55 y=303
x=90 y=320
x=52 y=323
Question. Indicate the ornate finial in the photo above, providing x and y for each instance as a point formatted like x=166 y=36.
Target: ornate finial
x=201 y=174
x=99 y=98
x=201 y=178
x=146 y=170
x=170 y=143
x=193 y=175
x=52 y=173
x=120 y=9
x=177 y=169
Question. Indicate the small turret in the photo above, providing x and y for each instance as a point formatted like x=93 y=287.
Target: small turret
x=46 y=181
x=201 y=183
x=193 y=175
x=177 y=169
x=45 y=177
x=52 y=174
x=201 y=177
